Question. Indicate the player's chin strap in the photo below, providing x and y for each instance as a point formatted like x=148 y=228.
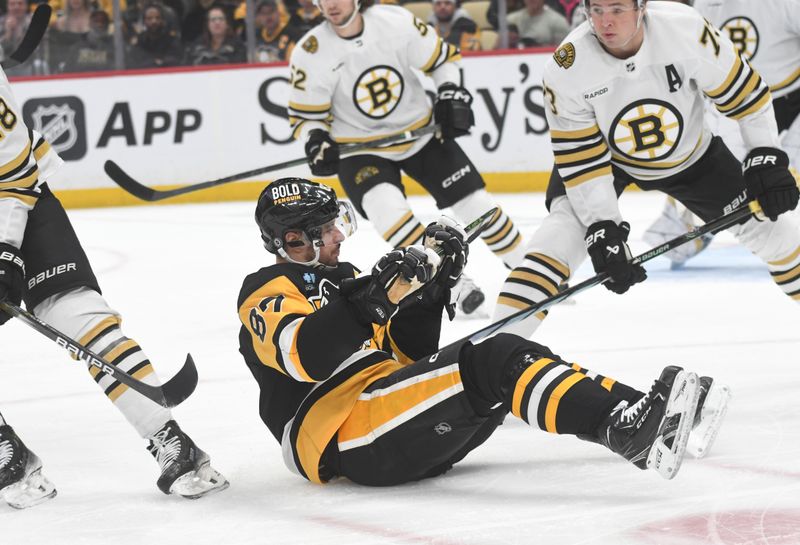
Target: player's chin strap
x=356 y=7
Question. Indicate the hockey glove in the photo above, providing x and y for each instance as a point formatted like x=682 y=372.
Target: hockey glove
x=395 y=276
x=446 y=237
x=767 y=177
x=322 y=153
x=607 y=246
x=452 y=110
x=12 y=277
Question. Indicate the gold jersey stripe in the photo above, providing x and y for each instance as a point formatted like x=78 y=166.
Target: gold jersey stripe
x=414 y=236
x=397 y=226
x=508 y=301
x=559 y=392
x=786 y=260
x=522 y=384
x=114 y=394
x=512 y=246
x=608 y=383
x=29 y=200
x=368 y=414
x=766 y=99
x=436 y=52
x=597 y=173
x=725 y=86
x=753 y=81
x=17 y=161
x=26 y=182
x=535 y=278
x=557 y=265
x=658 y=165
x=310 y=108
x=119 y=349
x=787 y=82
x=41 y=151
x=575 y=135
x=595 y=152
x=414 y=126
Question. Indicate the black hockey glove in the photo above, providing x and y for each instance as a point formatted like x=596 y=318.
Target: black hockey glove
x=448 y=240
x=767 y=177
x=395 y=276
x=607 y=246
x=452 y=110
x=12 y=277
x=322 y=153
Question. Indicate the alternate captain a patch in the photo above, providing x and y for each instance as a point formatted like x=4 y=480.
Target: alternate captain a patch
x=565 y=55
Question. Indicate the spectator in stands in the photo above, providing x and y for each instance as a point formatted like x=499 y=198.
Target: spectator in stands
x=539 y=24
x=133 y=17
x=13 y=25
x=276 y=37
x=454 y=25
x=75 y=18
x=219 y=44
x=511 y=6
x=157 y=45
x=194 y=21
x=306 y=16
x=567 y=8
x=95 y=50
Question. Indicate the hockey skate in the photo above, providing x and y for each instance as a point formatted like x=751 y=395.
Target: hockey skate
x=21 y=481
x=185 y=469
x=470 y=296
x=711 y=408
x=653 y=432
x=676 y=220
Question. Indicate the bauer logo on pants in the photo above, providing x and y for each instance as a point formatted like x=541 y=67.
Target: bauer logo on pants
x=62 y=121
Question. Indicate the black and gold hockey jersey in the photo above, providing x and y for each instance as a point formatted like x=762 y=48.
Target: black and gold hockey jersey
x=311 y=356
x=645 y=114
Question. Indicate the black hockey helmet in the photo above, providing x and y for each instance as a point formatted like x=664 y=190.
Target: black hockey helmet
x=290 y=204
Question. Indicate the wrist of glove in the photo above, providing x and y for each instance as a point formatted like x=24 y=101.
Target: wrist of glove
x=446 y=237
x=607 y=245
x=322 y=153
x=12 y=277
x=768 y=179
x=394 y=277
x=452 y=110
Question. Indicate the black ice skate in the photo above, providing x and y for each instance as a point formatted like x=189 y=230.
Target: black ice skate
x=185 y=469
x=21 y=481
x=653 y=432
x=470 y=296
x=711 y=408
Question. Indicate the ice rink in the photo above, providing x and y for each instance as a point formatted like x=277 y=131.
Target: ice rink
x=174 y=273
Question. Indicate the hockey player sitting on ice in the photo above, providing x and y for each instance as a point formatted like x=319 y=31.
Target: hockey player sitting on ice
x=353 y=78
x=766 y=34
x=42 y=262
x=351 y=381
x=625 y=93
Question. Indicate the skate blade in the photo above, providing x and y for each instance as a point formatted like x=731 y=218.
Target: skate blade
x=666 y=460
x=34 y=489
x=712 y=414
x=195 y=484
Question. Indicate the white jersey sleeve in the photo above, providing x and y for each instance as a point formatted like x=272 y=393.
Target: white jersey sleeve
x=432 y=55
x=311 y=89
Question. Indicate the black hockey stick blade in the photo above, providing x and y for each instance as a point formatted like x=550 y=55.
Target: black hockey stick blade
x=169 y=395
x=141 y=191
x=479 y=224
x=36 y=29
x=714 y=226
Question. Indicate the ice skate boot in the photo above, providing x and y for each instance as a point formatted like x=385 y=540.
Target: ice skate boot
x=470 y=296
x=674 y=221
x=185 y=469
x=652 y=433
x=21 y=481
x=711 y=408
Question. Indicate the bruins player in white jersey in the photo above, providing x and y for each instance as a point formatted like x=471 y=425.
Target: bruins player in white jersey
x=42 y=263
x=351 y=382
x=767 y=34
x=355 y=78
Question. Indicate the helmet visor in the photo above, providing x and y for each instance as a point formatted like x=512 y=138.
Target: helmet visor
x=336 y=230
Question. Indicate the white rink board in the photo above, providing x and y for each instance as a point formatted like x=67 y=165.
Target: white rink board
x=204 y=124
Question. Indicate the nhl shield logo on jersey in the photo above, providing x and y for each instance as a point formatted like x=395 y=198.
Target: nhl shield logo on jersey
x=310 y=45
x=565 y=55
x=377 y=91
x=743 y=33
x=646 y=131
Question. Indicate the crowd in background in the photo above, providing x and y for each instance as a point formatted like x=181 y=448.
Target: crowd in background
x=166 y=33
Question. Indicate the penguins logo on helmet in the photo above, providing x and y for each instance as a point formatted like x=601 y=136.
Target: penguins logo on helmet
x=297 y=204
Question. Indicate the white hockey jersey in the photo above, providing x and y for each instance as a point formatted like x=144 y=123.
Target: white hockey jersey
x=766 y=32
x=365 y=87
x=26 y=160
x=644 y=114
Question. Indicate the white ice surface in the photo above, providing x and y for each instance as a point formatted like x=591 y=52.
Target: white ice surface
x=174 y=273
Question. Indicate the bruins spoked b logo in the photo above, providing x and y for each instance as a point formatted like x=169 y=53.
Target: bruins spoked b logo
x=647 y=130
x=744 y=35
x=377 y=91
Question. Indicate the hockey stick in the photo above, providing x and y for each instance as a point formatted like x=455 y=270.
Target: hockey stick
x=169 y=394
x=36 y=29
x=714 y=226
x=122 y=179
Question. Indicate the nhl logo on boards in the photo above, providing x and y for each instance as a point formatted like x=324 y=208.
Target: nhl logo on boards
x=311 y=45
x=565 y=55
x=61 y=120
